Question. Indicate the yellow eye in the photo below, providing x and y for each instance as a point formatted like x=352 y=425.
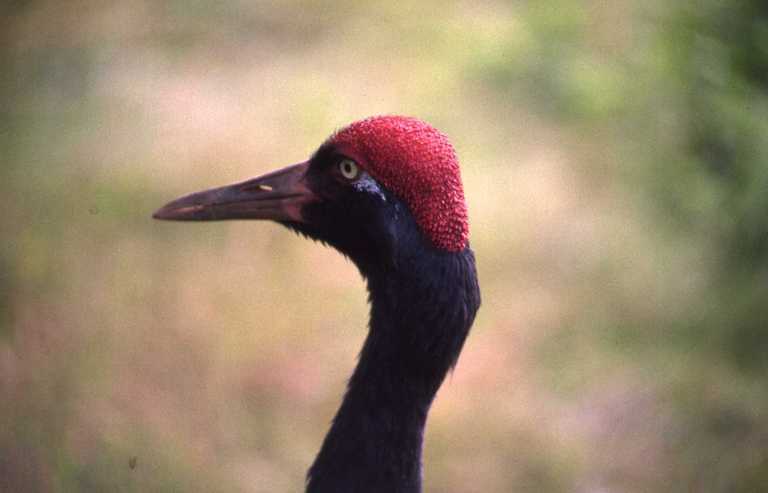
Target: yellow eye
x=348 y=169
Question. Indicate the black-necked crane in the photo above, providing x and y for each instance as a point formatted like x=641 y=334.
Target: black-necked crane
x=387 y=193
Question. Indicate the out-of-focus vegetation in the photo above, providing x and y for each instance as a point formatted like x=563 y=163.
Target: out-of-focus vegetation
x=615 y=156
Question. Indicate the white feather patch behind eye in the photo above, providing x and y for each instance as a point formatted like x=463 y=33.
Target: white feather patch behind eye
x=367 y=184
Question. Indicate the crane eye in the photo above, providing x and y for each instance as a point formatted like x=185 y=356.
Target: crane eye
x=348 y=169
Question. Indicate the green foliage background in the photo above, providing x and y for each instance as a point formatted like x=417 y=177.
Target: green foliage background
x=615 y=158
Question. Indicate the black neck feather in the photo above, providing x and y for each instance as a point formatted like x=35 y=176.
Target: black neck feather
x=421 y=310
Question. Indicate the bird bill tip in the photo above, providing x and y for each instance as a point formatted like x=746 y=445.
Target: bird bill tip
x=179 y=211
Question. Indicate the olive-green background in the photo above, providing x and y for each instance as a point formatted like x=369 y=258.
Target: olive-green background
x=615 y=159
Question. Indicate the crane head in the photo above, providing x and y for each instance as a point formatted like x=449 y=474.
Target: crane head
x=370 y=188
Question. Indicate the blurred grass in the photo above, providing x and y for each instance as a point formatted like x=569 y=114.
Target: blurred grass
x=614 y=158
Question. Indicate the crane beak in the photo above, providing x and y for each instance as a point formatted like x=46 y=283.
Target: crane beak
x=279 y=196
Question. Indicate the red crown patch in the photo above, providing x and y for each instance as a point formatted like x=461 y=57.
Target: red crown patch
x=416 y=162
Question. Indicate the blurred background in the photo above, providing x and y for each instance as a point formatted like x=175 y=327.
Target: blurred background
x=615 y=159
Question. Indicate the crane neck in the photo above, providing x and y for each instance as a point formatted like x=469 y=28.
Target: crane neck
x=420 y=316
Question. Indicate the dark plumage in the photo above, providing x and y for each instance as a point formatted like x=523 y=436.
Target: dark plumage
x=386 y=192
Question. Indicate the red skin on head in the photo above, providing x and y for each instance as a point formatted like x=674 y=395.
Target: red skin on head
x=417 y=163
